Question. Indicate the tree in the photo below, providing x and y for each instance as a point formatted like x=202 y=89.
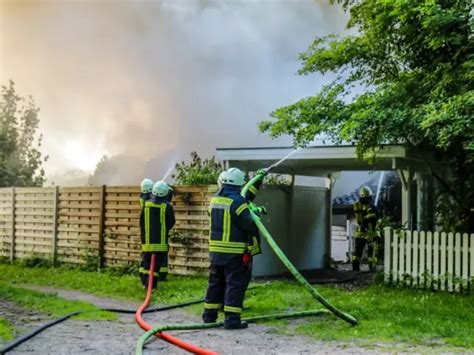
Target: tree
x=405 y=76
x=198 y=171
x=103 y=169
x=20 y=157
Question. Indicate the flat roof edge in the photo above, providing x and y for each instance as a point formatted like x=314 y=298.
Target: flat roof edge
x=308 y=147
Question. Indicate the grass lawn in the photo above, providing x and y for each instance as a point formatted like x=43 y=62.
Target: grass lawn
x=7 y=330
x=391 y=315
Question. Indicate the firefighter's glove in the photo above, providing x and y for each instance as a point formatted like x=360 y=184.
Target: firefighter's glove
x=262 y=172
x=261 y=210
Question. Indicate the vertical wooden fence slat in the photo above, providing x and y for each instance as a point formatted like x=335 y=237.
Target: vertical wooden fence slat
x=101 y=226
x=387 y=253
x=408 y=239
x=429 y=263
x=450 y=261
x=465 y=259
x=12 y=233
x=395 y=257
x=435 y=273
x=422 y=267
x=414 y=269
x=54 y=251
x=471 y=266
x=442 y=270
x=401 y=265
x=457 y=262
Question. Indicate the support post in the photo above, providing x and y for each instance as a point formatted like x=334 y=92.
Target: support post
x=327 y=246
x=12 y=233
x=406 y=176
x=102 y=227
x=54 y=251
x=424 y=200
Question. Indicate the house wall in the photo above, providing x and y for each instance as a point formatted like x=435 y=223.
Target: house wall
x=297 y=220
x=277 y=201
x=309 y=216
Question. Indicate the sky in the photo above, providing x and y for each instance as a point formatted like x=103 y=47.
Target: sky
x=147 y=82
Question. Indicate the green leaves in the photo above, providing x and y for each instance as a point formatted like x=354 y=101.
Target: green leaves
x=20 y=158
x=413 y=61
x=198 y=171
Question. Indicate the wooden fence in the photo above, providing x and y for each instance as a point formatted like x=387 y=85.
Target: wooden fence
x=439 y=261
x=68 y=224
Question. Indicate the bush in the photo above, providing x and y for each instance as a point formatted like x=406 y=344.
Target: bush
x=36 y=261
x=198 y=171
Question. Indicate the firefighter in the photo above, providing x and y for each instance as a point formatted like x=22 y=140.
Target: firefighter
x=229 y=240
x=158 y=219
x=145 y=191
x=146 y=187
x=366 y=215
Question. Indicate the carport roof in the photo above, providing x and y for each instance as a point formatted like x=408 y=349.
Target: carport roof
x=319 y=160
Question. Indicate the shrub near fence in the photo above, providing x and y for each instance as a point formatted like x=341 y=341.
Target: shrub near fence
x=434 y=260
x=69 y=224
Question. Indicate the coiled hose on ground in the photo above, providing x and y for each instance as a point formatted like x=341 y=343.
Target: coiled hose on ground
x=141 y=342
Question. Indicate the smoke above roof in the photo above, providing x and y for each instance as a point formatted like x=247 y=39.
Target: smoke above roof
x=150 y=81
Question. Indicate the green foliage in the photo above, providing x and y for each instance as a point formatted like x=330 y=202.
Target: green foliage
x=91 y=261
x=404 y=77
x=36 y=261
x=277 y=179
x=7 y=330
x=198 y=171
x=119 y=270
x=20 y=158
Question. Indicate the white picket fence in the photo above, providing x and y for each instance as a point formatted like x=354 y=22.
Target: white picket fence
x=441 y=261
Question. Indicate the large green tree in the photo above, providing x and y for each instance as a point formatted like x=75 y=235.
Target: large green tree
x=404 y=75
x=20 y=156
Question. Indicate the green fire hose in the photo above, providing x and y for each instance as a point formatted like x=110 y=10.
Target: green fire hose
x=345 y=316
x=164 y=328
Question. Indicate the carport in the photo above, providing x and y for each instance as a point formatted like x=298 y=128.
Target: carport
x=327 y=162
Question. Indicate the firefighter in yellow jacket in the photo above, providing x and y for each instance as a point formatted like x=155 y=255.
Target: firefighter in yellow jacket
x=231 y=243
x=156 y=220
x=366 y=215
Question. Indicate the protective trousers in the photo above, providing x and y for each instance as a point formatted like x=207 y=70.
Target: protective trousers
x=372 y=252
x=161 y=267
x=227 y=286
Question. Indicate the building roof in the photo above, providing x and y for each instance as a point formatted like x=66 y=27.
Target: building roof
x=318 y=160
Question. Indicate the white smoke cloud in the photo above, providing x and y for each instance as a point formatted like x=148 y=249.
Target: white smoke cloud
x=154 y=80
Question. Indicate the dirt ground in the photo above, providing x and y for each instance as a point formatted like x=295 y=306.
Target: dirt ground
x=119 y=337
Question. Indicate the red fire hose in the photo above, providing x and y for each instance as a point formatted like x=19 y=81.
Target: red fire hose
x=170 y=339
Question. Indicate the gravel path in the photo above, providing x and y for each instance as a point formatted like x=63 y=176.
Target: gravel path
x=119 y=337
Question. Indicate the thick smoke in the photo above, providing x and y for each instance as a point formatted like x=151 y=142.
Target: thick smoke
x=151 y=81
